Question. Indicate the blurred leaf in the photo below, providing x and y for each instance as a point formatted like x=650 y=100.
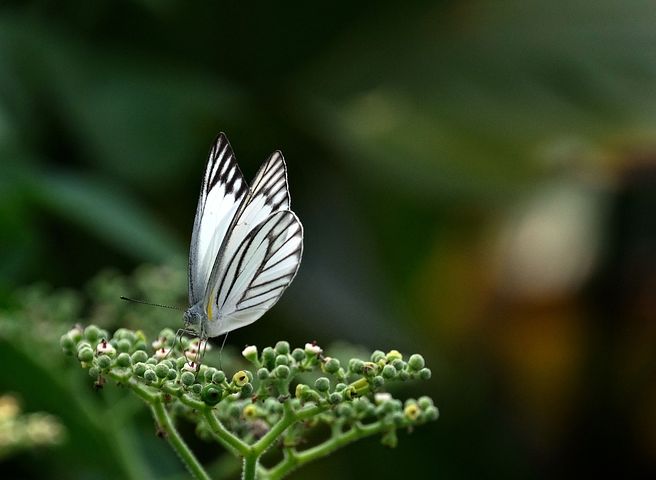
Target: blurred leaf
x=114 y=217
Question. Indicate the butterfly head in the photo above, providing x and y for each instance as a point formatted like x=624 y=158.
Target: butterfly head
x=193 y=318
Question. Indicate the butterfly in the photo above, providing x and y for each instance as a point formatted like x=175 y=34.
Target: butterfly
x=246 y=244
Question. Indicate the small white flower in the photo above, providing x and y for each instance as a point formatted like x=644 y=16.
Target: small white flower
x=190 y=367
x=249 y=352
x=382 y=397
x=191 y=353
x=106 y=348
x=162 y=353
x=312 y=349
x=159 y=343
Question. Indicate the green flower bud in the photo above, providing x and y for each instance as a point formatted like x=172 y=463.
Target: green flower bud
x=322 y=384
x=218 y=377
x=94 y=372
x=300 y=390
x=378 y=381
x=282 y=371
x=250 y=353
x=150 y=375
x=431 y=413
x=360 y=404
x=340 y=387
x=335 y=397
x=196 y=388
x=282 y=360
x=262 y=374
x=168 y=334
x=209 y=373
x=123 y=360
x=298 y=355
x=172 y=375
x=377 y=356
x=345 y=410
x=162 y=370
x=211 y=394
x=123 y=345
x=240 y=378
x=268 y=357
x=272 y=405
x=234 y=411
x=370 y=368
x=388 y=372
x=403 y=375
x=187 y=378
x=246 y=390
x=424 y=402
x=330 y=365
x=85 y=354
x=393 y=355
x=416 y=362
x=425 y=374
x=92 y=333
x=282 y=348
x=66 y=343
x=140 y=345
x=75 y=333
x=140 y=369
x=139 y=356
x=399 y=364
x=356 y=365
x=152 y=361
x=103 y=362
x=398 y=418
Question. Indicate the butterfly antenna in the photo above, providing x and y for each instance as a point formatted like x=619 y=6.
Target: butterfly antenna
x=143 y=302
x=221 y=350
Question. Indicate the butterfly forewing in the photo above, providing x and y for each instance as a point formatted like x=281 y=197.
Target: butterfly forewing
x=262 y=267
x=268 y=194
x=222 y=192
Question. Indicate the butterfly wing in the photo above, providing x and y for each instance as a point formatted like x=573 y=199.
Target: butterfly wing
x=222 y=192
x=257 y=274
x=268 y=193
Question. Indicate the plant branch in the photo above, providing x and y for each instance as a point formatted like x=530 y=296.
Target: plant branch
x=227 y=439
x=293 y=459
x=176 y=441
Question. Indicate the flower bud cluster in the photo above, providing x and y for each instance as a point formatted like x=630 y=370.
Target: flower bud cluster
x=20 y=431
x=250 y=402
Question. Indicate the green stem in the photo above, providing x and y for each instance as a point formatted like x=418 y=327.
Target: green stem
x=293 y=459
x=227 y=439
x=250 y=467
x=176 y=441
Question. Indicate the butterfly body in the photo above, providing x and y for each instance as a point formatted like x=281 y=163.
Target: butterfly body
x=246 y=244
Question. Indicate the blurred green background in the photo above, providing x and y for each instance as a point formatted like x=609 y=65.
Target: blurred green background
x=477 y=181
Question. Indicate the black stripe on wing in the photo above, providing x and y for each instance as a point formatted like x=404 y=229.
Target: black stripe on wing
x=222 y=167
x=273 y=234
x=223 y=187
x=271 y=183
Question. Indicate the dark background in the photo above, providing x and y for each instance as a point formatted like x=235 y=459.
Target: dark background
x=476 y=180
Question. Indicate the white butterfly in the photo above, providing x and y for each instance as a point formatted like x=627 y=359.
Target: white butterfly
x=246 y=244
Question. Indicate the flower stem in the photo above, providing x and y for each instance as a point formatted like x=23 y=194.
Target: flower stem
x=293 y=459
x=176 y=441
x=250 y=467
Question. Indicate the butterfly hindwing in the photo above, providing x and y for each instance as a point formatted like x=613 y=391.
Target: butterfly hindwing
x=259 y=271
x=222 y=192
